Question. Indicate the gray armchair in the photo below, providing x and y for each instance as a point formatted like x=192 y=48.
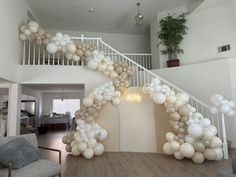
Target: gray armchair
x=39 y=168
x=229 y=174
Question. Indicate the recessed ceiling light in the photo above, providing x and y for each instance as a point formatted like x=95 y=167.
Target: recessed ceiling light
x=91 y=10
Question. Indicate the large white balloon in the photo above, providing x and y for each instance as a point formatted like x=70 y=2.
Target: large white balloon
x=195 y=130
x=210 y=154
x=88 y=153
x=98 y=149
x=214 y=110
x=167 y=149
x=82 y=146
x=75 y=151
x=187 y=150
x=198 y=157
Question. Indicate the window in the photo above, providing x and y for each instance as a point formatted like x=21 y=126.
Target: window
x=67 y=105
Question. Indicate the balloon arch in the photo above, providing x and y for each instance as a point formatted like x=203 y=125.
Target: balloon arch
x=193 y=135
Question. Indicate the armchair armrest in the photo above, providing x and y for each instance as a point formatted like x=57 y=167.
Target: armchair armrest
x=9 y=165
x=52 y=149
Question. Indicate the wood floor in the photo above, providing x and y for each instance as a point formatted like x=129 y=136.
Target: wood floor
x=124 y=164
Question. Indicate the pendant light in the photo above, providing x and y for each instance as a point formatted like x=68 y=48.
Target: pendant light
x=139 y=17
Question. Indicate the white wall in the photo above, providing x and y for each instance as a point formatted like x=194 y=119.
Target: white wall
x=203 y=80
x=13 y=13
x=61 y=75
x=125 y=43
x=212 y=25
x=48 y=99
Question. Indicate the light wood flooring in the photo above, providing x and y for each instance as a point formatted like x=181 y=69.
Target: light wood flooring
x=124 y=164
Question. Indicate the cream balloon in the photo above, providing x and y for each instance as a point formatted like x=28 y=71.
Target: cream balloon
x=210 y=154
x=178 y=155
x=187 y=150
x=87 y=102
x=167 y=149
x=175 y=146
x=198 y=158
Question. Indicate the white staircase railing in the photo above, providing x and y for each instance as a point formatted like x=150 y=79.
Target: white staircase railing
x=33 y=55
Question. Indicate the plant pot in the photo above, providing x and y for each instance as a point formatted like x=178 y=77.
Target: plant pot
x=172 y=63
x=42 y=129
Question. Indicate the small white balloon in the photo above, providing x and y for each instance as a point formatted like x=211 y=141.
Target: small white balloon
x=205 y=123
x=51 y=48
x=214 y=110
x=159 y=98
x=178 y=155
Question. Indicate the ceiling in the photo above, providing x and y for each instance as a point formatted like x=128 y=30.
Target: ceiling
x=109 y=16
x=56 y=87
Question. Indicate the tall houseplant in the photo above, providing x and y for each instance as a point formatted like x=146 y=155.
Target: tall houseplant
x=172 y=31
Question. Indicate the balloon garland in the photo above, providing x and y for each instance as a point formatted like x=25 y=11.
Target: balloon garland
x=194 y=137
x=221 y=105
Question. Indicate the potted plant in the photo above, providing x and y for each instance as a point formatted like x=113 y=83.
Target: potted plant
x=172 y=31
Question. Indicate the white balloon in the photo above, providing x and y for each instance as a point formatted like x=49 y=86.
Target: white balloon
x=82 y=146
x=75 y=151
x=170 y=136
x=210 y=154
x=178 y=155
x=175 y=146
x=208 y=134
x=51 y=48
x=199 y=147
x=218 y=154
x=205 y=123
x=92 y=143
x=98 y=149
x=187 y=150
x=216 y=99
x=230 y=113
x=171 y=98
x=116 y=101
x=88 y=153
x=87 y=102
x=159 y=98
x=214 y=110
x=92 y=64
x=215 y=142
x=189 y=139
x=103 y=134
x=198 y=158
x=195 y=130
x=167 y=149
x=224 y=108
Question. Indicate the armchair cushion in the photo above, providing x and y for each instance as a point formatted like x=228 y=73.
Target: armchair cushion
x=19 y=152
x=39 y=168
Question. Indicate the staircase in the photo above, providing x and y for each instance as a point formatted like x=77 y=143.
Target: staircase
x=37 y=55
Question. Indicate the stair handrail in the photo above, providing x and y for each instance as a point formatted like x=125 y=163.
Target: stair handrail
x=155 y=75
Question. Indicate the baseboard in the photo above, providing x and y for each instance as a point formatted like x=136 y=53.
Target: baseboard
x=233 y=146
